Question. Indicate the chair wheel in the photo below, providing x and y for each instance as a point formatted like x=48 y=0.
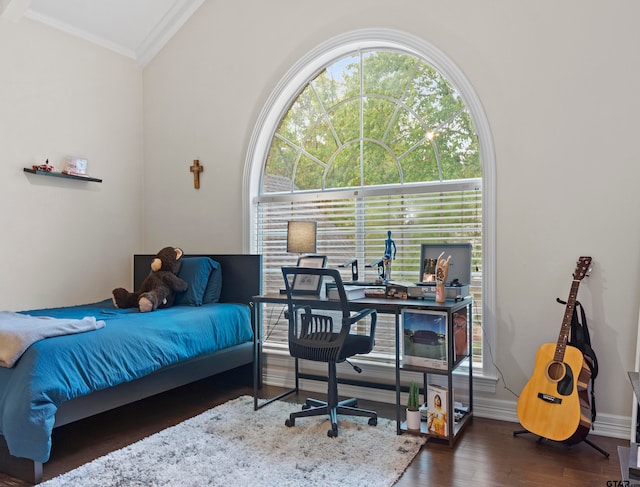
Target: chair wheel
x=290 y=422
x=373 y=421
x=305 y=406
x=333 y=432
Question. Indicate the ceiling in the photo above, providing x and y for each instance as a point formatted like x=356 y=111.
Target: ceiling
x=134 y=28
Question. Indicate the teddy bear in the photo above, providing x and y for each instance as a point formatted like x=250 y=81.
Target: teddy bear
x=159 y=288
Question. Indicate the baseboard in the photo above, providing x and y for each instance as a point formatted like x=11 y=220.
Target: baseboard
x=278 y=371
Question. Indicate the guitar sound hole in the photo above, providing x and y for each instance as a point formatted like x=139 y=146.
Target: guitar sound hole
x=555 y=371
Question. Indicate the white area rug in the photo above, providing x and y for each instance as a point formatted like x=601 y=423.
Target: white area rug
x=234 y=445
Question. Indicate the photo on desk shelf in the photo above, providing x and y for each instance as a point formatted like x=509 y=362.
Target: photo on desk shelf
x=424 y=338
x=306 y=284
x=438 y=404
x=460 y=335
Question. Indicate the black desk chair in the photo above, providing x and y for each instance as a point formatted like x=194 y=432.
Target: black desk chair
x=312 y=336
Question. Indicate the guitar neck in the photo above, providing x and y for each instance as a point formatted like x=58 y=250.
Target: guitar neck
x=566 y=322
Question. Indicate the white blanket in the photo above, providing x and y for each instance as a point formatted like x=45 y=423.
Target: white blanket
x=18 y=331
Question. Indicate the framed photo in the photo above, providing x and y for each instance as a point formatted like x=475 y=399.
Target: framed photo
x=460 y=335
x=425 y=338
x=309 y=284
x=438 y=404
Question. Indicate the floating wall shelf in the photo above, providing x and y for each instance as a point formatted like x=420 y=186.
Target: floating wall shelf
x=61 y=175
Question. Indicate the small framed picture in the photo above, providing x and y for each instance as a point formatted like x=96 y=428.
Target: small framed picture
x=309 y=284
x=425 y=338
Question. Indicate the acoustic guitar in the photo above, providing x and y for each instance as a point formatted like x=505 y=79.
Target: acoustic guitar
x=554 y=403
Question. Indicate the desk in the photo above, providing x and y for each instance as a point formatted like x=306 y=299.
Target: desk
x=387 y=306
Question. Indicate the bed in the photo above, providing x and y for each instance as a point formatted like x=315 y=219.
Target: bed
x=136 y=355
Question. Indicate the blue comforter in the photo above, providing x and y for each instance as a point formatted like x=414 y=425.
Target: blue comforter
x=131 y=345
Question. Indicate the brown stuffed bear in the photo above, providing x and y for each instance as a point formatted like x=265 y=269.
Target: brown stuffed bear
x=159 y=288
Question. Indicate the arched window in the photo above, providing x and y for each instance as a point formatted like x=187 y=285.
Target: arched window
x=374 y=131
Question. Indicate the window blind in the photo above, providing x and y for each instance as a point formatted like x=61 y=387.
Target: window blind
x=354 y=225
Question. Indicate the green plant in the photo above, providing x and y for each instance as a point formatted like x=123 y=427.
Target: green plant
x=413 y=404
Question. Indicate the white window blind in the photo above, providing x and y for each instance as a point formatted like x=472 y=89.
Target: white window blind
x=353 y=224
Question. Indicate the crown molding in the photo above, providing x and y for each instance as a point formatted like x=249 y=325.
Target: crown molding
x=82 y=34
x=13 y=10
x=163 y=31
x=171 y=23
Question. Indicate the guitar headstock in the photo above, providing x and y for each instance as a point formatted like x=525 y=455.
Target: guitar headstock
x=582 y=268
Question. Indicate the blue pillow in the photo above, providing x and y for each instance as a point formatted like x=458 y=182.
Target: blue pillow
x=214 y=286
x=196 y=271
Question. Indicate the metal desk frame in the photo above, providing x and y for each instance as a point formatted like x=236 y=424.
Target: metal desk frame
x=386 y=306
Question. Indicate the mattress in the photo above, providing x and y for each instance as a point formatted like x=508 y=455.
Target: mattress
x=131 y=345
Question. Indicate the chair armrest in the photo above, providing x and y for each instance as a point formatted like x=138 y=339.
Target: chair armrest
x=363 y=313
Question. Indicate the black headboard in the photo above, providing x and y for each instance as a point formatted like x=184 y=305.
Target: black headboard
x=241 y=274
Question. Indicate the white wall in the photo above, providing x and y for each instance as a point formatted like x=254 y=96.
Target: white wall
x=66 y=242
x=558 y=81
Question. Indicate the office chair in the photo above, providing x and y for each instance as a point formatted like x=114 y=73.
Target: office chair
x=312 y=336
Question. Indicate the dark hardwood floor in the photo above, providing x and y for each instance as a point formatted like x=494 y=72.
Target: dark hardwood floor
x=486 y=454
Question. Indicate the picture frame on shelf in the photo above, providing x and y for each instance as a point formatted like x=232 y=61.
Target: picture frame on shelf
x=438 y=406
x=425 y=338
x=460 y=334
x=309 y=284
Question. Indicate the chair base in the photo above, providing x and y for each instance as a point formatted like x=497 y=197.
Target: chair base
x=348 y=407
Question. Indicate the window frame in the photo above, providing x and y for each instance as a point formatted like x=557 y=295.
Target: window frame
x=306 y=69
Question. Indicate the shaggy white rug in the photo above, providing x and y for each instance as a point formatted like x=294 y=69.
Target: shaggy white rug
x=234 y=445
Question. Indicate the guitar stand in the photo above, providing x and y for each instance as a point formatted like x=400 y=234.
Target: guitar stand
x=588 y=442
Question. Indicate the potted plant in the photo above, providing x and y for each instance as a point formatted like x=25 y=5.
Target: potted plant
x=413 y=407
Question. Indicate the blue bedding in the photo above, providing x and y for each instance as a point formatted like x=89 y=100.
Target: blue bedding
x=131 y=345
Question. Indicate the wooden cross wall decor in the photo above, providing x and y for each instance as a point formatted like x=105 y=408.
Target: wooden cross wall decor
x=196 y=169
